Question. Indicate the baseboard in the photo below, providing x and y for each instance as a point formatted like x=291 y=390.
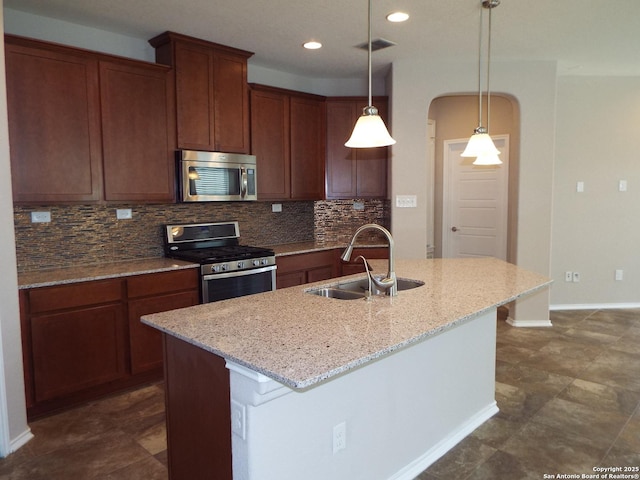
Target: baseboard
x=529 y=323
x=20 y=440
x=592 y=306
x=423 y=462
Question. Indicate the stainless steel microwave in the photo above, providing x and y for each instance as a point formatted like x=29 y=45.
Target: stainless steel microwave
x=216 y=177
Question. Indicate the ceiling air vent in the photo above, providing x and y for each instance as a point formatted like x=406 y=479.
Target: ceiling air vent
x=377 y=44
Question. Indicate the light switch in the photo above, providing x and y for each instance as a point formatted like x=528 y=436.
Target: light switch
x=406 y=201
x=622 y=186
x=580 y=187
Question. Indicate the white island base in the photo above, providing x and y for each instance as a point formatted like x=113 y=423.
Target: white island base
x=400 y=413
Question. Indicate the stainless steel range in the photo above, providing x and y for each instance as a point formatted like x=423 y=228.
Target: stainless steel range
x=228 y=269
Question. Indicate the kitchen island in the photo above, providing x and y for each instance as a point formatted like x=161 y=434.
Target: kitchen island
x=344 y=389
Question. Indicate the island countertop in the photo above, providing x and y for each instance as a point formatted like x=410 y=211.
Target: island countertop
x=300 y=339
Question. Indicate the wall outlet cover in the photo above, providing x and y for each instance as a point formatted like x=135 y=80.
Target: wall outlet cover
x=40 y=217
x=124 y=214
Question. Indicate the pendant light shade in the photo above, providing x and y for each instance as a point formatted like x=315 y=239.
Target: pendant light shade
x=480 y=144
x=488 y=159
x=370 y=130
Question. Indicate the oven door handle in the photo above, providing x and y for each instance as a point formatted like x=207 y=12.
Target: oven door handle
x=241 y=273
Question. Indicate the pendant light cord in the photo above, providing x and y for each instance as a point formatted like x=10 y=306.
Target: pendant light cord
x=488 y=68
x=480 y=71
x=369 y=56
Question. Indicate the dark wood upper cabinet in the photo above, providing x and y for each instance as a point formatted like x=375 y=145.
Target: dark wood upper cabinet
x=288 y=140
x=87 y=127
x=353 y=172
x=212 y=100
x=53 y=104
x=308 y=133
x=137 y=132
x=270 y=143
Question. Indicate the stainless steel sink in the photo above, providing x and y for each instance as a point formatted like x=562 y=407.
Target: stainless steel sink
x=356 y=289
x=336 y=293
x=362 y=284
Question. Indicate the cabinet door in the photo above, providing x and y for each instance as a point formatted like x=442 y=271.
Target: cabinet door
x=307 y=148
x=137 y=137
x=341 y=165
x=371 y=165
x=77 y=349
x=270 y=144
x=231 y=103
x=146 y=342
x=291 y=279
x=194 y=96
x=54 y=125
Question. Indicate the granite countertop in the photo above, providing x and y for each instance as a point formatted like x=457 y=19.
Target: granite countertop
x=84 y=273
x=61 y=276
x=300 y=339
x=309 y=247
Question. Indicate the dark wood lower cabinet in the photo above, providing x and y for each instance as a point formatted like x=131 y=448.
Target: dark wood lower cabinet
x=84 y=340
x=198 y=413
x=306 y=268
x=145 y=342
x=76 y=350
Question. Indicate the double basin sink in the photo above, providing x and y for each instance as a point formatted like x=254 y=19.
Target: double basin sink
x=357 y=289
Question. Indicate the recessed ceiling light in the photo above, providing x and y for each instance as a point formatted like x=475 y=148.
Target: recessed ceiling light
x=397 y=17
x=312 y=45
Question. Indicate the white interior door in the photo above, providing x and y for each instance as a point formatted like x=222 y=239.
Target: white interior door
x=475 y=203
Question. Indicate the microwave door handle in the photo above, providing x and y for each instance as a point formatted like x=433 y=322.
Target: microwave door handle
x=244 y=181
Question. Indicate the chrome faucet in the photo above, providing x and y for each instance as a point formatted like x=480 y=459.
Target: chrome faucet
x=389 y=284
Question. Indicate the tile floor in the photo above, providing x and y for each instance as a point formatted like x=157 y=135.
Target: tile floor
x=569 y=399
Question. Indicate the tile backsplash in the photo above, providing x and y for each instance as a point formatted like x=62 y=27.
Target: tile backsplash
x=91 y=234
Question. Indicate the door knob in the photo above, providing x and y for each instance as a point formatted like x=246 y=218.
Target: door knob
x=454 y=229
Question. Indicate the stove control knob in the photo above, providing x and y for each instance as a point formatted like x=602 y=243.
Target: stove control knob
x=256 y=263
x=224 y=267
x=264 y=261
x=215 y=268
x=240 y=264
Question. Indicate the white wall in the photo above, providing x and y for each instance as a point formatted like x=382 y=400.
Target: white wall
x=13 y=420
x=415 y=83
x=52 y=30
x=598 y=231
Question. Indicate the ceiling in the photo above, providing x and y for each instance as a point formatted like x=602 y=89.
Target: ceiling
x=586 y=37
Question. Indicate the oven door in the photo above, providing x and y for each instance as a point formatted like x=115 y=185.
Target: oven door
x=221 y=286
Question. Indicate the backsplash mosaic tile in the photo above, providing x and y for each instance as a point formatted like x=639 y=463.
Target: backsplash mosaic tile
x=90 y=234
x=337 y=220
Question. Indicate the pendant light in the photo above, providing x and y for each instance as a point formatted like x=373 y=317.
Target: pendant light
x=480 y=144
x=370 y=130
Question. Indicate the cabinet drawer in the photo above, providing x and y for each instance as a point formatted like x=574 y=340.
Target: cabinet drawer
x=47 y=299
x=165 y=282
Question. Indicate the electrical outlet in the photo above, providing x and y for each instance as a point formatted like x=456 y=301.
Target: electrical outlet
x=580 y=187
x=40 y=217
x=619 y=275
x=238 y=419
x=339 y=437
x=124 y=214
x=276 y=207
x=576 y=277
x=568 y=276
